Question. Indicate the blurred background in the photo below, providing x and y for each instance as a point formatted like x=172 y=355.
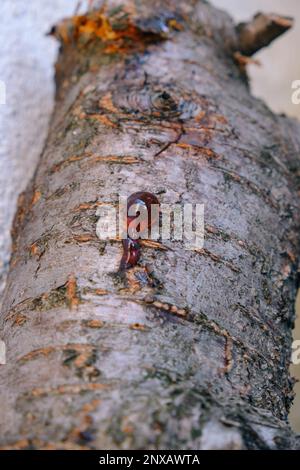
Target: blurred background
x=27 y=66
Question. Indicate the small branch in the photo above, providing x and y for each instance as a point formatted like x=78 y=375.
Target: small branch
x=244 y=60
x=261 y=31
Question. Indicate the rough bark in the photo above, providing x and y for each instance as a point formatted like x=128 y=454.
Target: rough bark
x=150 y=98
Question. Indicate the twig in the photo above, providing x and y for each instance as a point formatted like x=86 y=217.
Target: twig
x=261 y=31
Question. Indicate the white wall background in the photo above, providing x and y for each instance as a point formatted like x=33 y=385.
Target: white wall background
x=26 y=66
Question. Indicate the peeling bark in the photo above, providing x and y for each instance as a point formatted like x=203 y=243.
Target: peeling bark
x=192 y=348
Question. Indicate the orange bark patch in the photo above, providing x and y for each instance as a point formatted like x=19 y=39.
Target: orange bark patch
x=133 y=283
x=81 y=356
x=174 y=24
x=101 y=118
x=153 y=244
x=228 y=351
x=91 y=205
x=119 y=159
x=107 y=104
x=73 y=158
x=37 y=353
x=138 y=326
x=97 y=291
x=200 y=116
x=97 y=25
x=228 y=355
x=34 y=250
x=204 y=151
x=116 y=34
x=73 y=389
x=128 y=429
x=19 y=320
x=36 y=197
x=92 y=406
x=71 y=292
x=94 y=323
x=86 y=206
x=84 y=238
x=171 y=308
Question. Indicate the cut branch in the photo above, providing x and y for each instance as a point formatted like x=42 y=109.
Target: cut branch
x=261 y=31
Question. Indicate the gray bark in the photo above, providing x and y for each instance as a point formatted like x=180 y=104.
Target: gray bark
x=99 y=361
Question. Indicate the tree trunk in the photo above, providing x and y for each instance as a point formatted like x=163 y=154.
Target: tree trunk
x=189 y=349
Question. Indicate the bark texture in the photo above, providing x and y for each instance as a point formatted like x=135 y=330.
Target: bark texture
x=192 y=348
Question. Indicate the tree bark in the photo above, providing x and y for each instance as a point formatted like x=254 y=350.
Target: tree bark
x=191 y=349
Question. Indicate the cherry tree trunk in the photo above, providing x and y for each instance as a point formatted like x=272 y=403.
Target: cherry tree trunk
x=190 y=348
